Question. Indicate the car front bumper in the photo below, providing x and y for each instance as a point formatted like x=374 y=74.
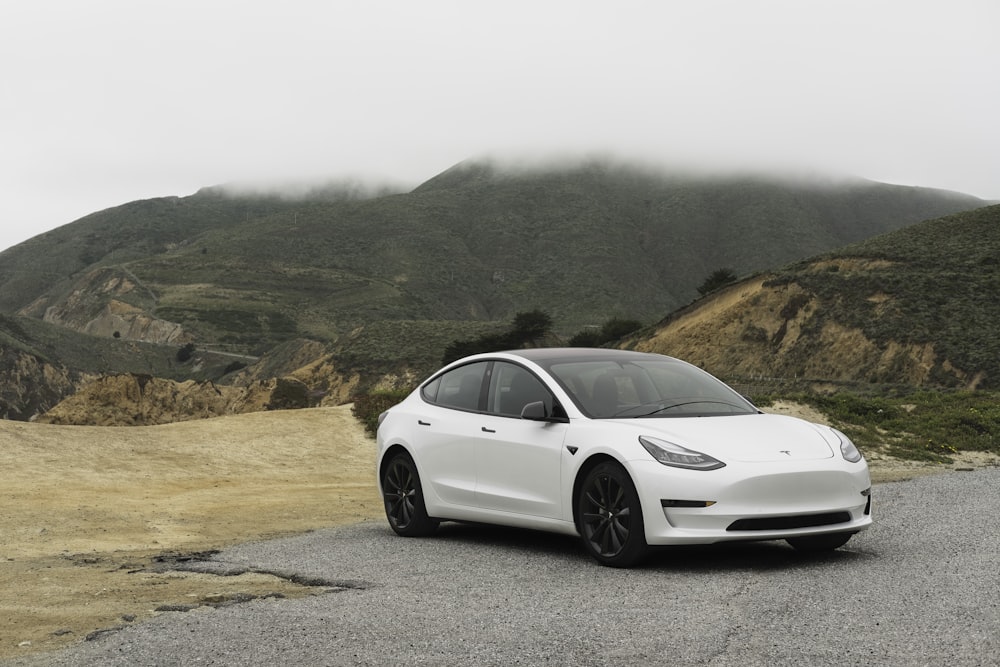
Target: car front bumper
x=752 y=502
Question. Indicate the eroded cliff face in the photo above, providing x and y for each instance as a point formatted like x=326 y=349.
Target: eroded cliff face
x=300 y=375
x=123 y=320
x=30 y=386
x=109 y=302
x=754 y=330
x=141 y=400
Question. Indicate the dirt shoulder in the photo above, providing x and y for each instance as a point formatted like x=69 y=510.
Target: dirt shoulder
x=92 y=517
x=95 y=520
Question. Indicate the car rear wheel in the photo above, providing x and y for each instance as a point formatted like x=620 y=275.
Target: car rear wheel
x=610 y=517
x=404 y=498
x=827 y=542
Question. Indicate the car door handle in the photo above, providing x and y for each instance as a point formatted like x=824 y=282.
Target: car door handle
x=488 y=430
x=423 y=423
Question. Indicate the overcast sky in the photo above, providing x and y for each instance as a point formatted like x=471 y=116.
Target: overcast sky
x=108 y=101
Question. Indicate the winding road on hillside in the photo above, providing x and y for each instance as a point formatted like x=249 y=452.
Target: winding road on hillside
x=922 y=587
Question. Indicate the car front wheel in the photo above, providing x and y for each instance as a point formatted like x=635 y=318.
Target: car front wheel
x=610 y=518
x=404 y=498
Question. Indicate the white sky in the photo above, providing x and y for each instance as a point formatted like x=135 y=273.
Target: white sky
x=108 y=101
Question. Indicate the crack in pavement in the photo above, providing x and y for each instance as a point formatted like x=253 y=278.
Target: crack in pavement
x=204 y=562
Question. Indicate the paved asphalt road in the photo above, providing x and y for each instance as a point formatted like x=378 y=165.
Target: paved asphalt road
x=922 y=587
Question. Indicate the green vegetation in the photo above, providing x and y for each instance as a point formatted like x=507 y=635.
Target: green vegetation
x=390 y=282
x=614 y=329
x=185 y=352
x=923 y=426
x=82 y=353
x=290 y=394
x=529 y=329
x=718 y=278
x=368 y=406
x=386 y=346
x=933 y=283
x=476 y=243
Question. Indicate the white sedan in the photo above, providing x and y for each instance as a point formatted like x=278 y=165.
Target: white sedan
x=626 y=449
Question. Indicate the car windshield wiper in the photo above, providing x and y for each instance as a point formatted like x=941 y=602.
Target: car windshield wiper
x=664 y=408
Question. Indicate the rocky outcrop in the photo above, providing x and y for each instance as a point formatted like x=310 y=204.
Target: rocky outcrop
x=296 y=375
x=109 y=302
x=753 y=329
x=309 y=362
x=142 y=400
x=30 y=386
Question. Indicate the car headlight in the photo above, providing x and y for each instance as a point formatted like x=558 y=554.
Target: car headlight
x=847 y=448
x=676 y=456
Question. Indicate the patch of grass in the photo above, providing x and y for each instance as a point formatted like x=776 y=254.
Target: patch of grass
x=922 y=426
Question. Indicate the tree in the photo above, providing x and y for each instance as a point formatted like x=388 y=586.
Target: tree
x=718 y=278
x=617 y=327
x=528 y=329
x=185 y=352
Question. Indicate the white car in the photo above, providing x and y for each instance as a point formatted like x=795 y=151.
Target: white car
x=626 y=449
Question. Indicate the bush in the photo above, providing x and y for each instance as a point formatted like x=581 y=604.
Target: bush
x=368 y=406
x=718 y=278
x=922 y=426
x=233 y=367
x=185 y=353
x=528 y=328
x=614 y=329
x=290 y=394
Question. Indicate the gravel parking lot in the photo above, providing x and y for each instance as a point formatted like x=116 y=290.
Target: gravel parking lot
x=922 y=587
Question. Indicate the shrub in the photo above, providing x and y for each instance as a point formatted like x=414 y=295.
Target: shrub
x=718 y=278
x=289 y=394
x=233 y=367
x=614 y=329
x=528 y=328
x=185 y=352
x=368 y=406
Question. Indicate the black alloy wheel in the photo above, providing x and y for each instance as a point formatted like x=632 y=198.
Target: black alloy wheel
x=610 y=517
x=404 y=499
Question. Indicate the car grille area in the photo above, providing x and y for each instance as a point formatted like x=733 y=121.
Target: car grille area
x=789 y=522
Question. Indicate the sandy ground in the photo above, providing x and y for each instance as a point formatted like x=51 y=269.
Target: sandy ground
x=89 y=514
x=91 y=518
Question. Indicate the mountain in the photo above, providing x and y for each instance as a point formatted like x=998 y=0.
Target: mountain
x=477 y=243
x=385 y=281
x=915 y=307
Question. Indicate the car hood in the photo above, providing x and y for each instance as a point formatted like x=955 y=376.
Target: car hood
x=750 y=438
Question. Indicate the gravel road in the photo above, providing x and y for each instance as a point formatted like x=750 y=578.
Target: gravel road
x=922 y=587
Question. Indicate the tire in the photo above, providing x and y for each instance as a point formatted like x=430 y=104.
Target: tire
x=404 y=498
x=817 y=543
x=610 y=518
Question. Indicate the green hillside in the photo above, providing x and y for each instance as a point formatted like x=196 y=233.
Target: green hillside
x=936 y=282
x=93 y=355
x=473 y=245
x=916 y=307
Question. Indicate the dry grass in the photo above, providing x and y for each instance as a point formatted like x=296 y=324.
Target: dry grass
x=84 y=510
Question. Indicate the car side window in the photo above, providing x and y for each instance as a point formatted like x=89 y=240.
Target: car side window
x=512 y=387
x=458 y=388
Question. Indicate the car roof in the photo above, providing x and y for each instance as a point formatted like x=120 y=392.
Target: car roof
x=574 y=354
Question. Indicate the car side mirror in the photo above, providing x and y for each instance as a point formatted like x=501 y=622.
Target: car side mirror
x=536 y=412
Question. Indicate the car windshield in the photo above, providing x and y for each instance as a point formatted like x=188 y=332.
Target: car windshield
x=655 y=387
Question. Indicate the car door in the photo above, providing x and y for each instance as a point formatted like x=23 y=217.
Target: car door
x=518 y=460
x=446 y=431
